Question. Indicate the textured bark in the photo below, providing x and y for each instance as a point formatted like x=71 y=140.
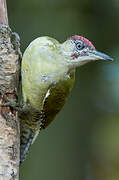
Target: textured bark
x=9 y=125
x=3 y=12
x=9 y=78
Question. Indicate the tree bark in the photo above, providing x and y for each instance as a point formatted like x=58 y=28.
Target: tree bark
x=3 y=12
x=9 y=78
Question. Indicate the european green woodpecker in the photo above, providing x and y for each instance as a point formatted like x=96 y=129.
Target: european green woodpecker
x=48 y=74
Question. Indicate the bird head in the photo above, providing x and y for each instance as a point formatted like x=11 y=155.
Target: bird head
x=79 y=50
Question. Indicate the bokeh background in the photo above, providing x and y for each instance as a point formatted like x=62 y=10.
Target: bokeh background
x=83 y=142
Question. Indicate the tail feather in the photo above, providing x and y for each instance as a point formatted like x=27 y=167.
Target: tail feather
x=27 y=140
x=31 y=123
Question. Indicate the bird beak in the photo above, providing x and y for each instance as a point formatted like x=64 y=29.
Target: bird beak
x=90 y=56
x=99 y=56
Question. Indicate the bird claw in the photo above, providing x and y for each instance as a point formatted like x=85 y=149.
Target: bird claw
x=11 y=103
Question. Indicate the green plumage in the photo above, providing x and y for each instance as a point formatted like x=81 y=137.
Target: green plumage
x=46 y=82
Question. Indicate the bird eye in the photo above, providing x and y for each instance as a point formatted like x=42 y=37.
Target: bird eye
x=79 y=45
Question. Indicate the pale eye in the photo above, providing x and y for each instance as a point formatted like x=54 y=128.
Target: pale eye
x=79 y=45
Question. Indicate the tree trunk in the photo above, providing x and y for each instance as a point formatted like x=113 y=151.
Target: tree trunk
x=9 y=78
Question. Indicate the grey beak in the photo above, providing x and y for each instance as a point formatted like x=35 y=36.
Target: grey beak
x=99 y=55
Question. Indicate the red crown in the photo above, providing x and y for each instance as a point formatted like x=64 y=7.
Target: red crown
x=86 y=41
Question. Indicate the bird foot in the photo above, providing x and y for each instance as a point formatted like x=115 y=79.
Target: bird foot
x=12 y=104
x=16 y=106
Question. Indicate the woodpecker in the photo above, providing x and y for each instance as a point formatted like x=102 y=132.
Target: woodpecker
x=48 y=74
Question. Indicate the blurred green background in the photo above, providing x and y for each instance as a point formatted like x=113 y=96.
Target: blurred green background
x=83 y=142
